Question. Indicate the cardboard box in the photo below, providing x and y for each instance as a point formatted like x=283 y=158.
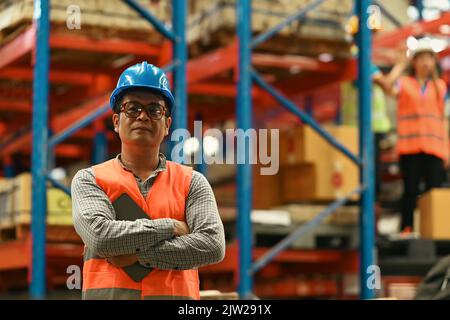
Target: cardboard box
x=326 y=173
x=311 y=182
x=303 y=144
x=22 y=192
x=435 y=215
x=266 y=189
x=296 y=145
x=59 y=207
x=298 y=183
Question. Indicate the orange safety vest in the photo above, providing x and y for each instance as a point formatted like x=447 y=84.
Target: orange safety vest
x=166 y=199
x=420 y=118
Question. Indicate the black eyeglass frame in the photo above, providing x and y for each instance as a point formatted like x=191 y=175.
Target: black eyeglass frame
x=146 y=108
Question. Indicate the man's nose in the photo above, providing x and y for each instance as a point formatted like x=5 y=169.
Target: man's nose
x=143 y=115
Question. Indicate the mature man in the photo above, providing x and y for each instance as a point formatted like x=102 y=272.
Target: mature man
x=147 y=223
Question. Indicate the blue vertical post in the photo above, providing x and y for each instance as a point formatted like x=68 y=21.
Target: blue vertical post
x=367 y=173
x=244 y=171
x=40 y=148
x=179 y=115
x=100 y=145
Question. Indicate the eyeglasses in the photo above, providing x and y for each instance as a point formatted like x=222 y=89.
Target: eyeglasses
x=133 y=109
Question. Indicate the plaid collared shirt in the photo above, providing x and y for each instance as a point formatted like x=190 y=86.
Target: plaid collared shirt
x=151 y=240
x=144 y=186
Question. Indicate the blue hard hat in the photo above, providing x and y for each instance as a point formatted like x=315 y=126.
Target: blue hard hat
x=143 y=76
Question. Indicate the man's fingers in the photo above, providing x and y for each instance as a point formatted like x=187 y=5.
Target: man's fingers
x=181 y=228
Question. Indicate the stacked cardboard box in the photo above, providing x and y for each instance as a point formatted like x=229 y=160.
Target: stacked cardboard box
x=59 y=205
x=312 y=169
x=266 y=191
x=434 y=215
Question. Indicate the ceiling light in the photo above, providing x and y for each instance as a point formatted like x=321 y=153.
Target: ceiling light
x=326 y=57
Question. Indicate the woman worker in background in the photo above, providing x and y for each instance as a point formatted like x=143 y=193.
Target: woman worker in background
x=421 y=125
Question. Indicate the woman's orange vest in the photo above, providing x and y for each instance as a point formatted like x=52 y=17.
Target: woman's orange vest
x=420 y=118
x=166 y=199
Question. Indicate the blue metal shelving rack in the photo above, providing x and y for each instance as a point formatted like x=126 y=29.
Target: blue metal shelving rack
x=365 y=160
x=40 y=147
x=41 y=143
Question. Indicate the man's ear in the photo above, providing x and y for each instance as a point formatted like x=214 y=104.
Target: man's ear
x=115 y=121
x=168 y=122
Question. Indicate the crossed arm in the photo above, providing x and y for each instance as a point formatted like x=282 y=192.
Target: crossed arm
x=159 y=243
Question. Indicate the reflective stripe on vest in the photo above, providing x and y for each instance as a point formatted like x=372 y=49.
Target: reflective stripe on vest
x=420 y=118
x=166 y=199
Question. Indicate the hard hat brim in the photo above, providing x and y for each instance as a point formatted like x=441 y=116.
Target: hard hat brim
x=119 y=92
x=423 y=50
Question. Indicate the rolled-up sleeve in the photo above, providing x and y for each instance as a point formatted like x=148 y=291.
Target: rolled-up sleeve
x=94 y=220
x=205 y=244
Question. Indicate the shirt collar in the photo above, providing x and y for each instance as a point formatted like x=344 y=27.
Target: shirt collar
x=161 y=165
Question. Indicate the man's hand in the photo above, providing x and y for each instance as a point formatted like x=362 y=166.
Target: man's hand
x=123 y=261
x=180 y=228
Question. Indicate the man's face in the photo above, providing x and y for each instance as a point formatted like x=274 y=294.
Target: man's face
x=139 y=128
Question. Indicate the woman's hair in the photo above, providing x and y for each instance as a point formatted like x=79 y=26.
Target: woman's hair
x=435 y=74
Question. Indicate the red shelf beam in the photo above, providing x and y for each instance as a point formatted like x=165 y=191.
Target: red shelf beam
x=14 y=255
x=55 y=76
x=80 y=43
x=58 y=123
x=18 y=47
x=393 y=38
